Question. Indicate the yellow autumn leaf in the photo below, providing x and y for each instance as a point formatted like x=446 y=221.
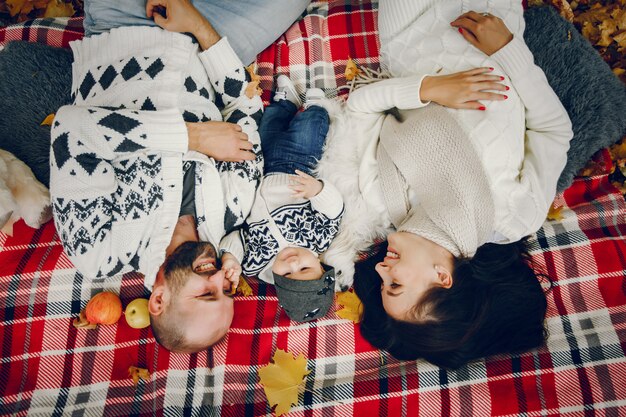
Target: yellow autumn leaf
x=253 y=88
x=555 y=213
x=58 y=8
x=352 y=306
x=351 y=70
x=48 y=120
x=618 y=151
x=282 y=379
x=253 y=75
x=244 y=288
x=564 y=8
x=138 y=373
x=15 y=6
x=620 y=18
x=621 y=40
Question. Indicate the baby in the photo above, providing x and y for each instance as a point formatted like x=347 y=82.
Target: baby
x=295 y=216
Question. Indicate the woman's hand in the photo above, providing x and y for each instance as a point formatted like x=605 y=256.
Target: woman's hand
x=462 y=90
x=182 y=16
x=305 y=186
x=486 y=32
x=222 y=141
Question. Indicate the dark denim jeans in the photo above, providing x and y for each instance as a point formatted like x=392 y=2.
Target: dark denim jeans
x=292 y=140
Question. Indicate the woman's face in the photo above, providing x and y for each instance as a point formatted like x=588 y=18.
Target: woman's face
x=411 y=267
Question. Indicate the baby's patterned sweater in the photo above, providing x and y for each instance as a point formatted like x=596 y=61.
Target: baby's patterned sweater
x=278 y=220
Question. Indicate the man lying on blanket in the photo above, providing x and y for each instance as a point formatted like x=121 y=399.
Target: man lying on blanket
x=156 y=164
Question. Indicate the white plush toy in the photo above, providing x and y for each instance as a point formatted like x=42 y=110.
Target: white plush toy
x=361 y=225
x=21 y=195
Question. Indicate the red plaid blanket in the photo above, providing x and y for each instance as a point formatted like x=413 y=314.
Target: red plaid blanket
x=48 y=368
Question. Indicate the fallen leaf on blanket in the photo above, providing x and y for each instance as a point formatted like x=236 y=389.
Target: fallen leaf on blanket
x=621 y=186
x=352 y=306
x=281 y=380
x=138 y=373
x=48 y=120
x=620 y=18
x=618 y=151
x=351 y=70
x=81 y=322
x=621 y=41
x=591 y=32
x=253 y=75
x=592 y=168
x=253 y=88
x=564 y=8
x=244 y=288
x=555 y=213
x=58 y=8
x=15 y=6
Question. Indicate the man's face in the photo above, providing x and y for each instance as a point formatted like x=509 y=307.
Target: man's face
x=196 y=287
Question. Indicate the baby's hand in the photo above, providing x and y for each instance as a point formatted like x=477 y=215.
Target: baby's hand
x=305 y=186
x=232 y=272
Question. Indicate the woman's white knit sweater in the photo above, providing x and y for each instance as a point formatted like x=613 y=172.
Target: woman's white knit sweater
x=521 y=143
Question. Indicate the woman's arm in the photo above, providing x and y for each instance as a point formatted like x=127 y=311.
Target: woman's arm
x=548 y=127
x=460 y=90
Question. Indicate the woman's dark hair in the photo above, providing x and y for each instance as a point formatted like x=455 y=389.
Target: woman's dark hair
x=496 y=305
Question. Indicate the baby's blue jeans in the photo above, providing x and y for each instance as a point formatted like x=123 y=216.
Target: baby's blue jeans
x=292 y=140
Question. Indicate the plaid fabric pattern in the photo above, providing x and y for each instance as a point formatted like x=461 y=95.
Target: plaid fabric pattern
x=54 y=32
x=48 y=368
x=315 y=50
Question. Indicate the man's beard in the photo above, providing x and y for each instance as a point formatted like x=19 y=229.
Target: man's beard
x=179 y=265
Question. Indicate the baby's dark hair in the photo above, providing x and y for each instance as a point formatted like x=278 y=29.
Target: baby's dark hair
x=496 y=305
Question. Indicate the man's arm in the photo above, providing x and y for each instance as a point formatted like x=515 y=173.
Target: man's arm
x=239 y=175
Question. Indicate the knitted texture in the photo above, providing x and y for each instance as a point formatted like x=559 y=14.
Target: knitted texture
x=278 y=220
x=431 y=152
x=117 y=153
x=522 y=141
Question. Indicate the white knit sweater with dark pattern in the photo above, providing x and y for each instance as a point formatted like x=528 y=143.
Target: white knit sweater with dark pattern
x=117 y=151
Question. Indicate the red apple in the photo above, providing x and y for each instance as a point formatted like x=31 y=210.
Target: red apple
x=137 y=314
x=104 y=308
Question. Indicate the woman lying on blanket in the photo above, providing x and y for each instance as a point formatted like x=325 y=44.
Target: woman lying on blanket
x=465 y=168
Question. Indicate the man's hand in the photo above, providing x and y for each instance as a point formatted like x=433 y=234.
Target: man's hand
x=462 y=90
x=486 y=32
x=222 y=141
x=182 y=16
x=305 y=186
x=232 y=272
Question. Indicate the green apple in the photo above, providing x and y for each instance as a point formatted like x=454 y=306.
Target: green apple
x=136 y=313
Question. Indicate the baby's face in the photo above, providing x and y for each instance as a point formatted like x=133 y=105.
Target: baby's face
x=298 y=263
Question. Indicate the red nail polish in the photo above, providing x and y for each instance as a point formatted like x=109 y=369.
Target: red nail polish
x=490 y=68
x=481 y=108
x=460 y=30
x=506 y=87
x=505 y=97
x=501 y=78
